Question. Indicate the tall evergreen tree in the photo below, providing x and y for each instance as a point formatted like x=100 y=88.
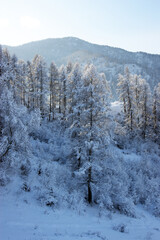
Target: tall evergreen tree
x=53 y=91
x=63 y=91
x=93 y=119
x=126 y=94
x=156 y=111
x=31 y=86
x=145 y=106
x=41 y=80
x=75 y=109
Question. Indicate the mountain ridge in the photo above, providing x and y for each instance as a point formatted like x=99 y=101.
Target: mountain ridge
x=75 y=38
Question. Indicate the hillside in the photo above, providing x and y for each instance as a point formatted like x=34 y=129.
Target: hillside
x=109 y=60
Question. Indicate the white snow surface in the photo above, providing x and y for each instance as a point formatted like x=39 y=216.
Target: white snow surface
x=21 y=218
x=116 y=107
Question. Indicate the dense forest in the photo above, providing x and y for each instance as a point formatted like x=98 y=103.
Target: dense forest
x=61 y=141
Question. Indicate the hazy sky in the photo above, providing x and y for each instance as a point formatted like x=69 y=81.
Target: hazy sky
x=130 y=24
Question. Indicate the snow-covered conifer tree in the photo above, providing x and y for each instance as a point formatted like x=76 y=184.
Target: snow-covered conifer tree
x=145 y=106
x=21 y=83
x=41 y=79
x=136 y=99
x=94 y=104
x=14 y=136
x=63 y=92
x=74 y=109
x=126 y=95
x=53 y=90
x=73 y=87
x=69 y=67
x=30 y=86
x=156 y=110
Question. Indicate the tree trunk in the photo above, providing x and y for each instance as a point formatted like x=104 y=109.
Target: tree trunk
x=89 y=186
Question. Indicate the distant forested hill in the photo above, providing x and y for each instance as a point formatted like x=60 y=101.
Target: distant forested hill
x=109 y=60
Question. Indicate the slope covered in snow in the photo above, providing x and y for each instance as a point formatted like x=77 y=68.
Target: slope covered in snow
x=22 y=219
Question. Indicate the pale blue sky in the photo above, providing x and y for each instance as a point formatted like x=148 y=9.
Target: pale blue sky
x=130 y=24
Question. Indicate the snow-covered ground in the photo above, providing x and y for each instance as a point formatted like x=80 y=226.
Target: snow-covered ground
x=23 y=219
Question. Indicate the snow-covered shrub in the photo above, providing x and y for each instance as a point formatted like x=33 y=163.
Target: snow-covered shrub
x=121 y=228
x=111 y=188
x=25 y=187
x=53 y=186
x=51 y=141
x=4 y=178
x=144 y=179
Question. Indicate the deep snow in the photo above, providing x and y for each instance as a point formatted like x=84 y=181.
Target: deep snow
x=21 y=218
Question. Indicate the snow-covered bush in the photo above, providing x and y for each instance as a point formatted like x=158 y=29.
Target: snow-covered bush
x=144 y=178
x=121 y=228
x=53 y=187
x=111 y=190
x=4 y=178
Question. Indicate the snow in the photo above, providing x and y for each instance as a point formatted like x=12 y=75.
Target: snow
x=23 y=219
x=116 y=107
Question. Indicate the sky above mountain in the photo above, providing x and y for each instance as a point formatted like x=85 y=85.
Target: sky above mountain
x=129 y=24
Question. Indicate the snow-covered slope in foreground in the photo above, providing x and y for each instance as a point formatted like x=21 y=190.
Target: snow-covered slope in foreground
x=23 y=219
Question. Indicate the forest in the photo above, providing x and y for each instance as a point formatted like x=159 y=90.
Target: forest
x=62 y=143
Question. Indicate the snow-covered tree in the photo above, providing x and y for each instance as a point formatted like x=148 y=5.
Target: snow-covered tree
x=126 y=95
x=14 y=135
x=74 y=113
x=63 y=92
x=30 y=86
x=41 y=80
x=1 y=87
x=136 y=96
x=53 y=91
x=21 y=83
x=136 y=99
x=74 y=86
x=93 y=104
x=156 y=111
x=14 y=76
x=145 y=106
x=69 y=67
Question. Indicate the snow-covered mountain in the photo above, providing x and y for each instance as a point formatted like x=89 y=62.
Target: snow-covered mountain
x=107 y=59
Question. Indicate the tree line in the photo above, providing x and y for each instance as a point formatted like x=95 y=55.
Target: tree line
x=141 y=107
